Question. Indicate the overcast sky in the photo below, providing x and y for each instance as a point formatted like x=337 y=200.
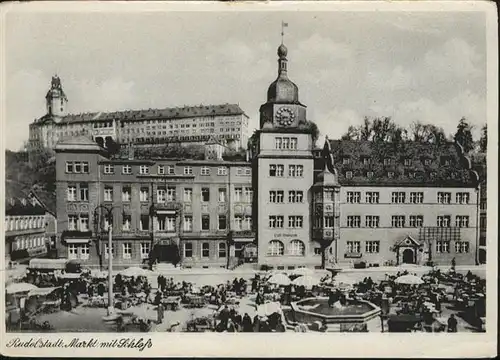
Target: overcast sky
x=347 y=65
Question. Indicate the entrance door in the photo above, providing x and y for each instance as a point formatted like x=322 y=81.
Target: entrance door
x=408 y=256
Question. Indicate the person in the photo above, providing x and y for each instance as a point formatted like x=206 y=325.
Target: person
x=230 y=326
x=160 y=312
x=453 y=264
x=452 y=323
x=256 y=323
x=247 y=323
x=158 y=297
x=224 y=316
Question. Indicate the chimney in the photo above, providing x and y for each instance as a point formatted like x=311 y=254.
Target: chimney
x=131 y=152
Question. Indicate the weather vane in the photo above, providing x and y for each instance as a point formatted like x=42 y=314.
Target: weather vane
x=283 y=26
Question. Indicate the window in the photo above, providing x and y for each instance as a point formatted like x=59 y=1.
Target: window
x=462 y=221
x=222 y=195
x=462 y=198
x=329 y=195
x=205 y=250
x=348 y=174
x=166 y=223
x=387 y=161
x=126 y=169
x=328 y=222
x=276 y=170
x=247 y=223
x=354 y=247
x=398 y=197
x=145 y=249
x=238 y=222
x=248 y=172
x=372 y=247
x=237 y=194
x=372 y=197
x=144 y=223
x=295 y=222
x=126 y=191
x=222 y=250
x=398 y=221
x=293 y=143
x=390 y=174
x=369 y=174
x=276 y=221
x=127 y=250
x=276 y=196
x=108 y=193
x=170 y=193
x=205 y=194
x=222 y=222
x=109 y=169
x=296 y=248
x=248 y=194
x=144 y=169
x=275 y=248
x=317 y=251
x=353 y=197
x=171 y=170
x=442 y=246
x=160 y=195
x=221 y=171
x=84 y=222
x=416 y=220
x=144 y=194
x=407 y=162
x=461 y=247
x=444 y=197
x=161 y=170
x=295 y=170
x=353 y=221
x=77 y=167
x=71 y=193
x=205 y=171
x=295 y=196
x=205 y=222
x=188 y=170
x=72 y=251
x=84 y=251
x=127 y=219
x=285 y=143
x=345 y=161
x=188 y=194
x=84 y=192
x=188 y=223
x=188 y=250
x=416 y=197
x=107 y=250
x=443 y=221
x=372 y=221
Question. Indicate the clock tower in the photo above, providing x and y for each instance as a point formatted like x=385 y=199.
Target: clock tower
x=284 y=173
x=282 y=109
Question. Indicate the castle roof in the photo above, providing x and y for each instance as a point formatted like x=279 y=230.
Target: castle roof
x=149 y=114
x=18 y=202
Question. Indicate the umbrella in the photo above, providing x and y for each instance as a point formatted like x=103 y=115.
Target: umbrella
x=307 y=281
x=135 y=271
x=279 y=279
x=409 y=280
x=303 y=271
x=268 y=309
x=20 y=287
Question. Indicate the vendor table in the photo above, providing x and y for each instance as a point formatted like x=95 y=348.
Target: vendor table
x=174 y=302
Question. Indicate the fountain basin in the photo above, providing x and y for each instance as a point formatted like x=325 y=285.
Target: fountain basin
x=356 y=315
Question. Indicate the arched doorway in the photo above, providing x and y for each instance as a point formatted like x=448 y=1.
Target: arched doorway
x=408 y=256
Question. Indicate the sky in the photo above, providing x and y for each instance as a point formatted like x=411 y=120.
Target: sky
x=411 y=66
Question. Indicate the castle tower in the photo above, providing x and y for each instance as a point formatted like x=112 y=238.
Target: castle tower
x=56 y=99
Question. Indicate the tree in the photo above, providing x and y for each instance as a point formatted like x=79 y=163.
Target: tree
x=313 y=130
x=464 y=135
x=366 y=130
x=483 y=141
x=351 y=134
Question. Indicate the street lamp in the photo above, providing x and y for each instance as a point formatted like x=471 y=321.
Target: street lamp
x=109 y=216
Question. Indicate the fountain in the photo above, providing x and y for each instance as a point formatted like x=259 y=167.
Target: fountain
x=345 y=315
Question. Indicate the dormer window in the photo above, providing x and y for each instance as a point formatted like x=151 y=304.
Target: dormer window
x=369 y=174
x=348 y=174
x=407 y=162
x=345 y=161
x=427 y=162
x=387 y=161
x=366 y=161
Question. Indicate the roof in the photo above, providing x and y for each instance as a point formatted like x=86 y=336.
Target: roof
x=78 y=143
x=18 y=202
x=409 y=162
x=141 y=115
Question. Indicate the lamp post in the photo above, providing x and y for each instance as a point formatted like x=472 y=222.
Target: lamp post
x=109 y=216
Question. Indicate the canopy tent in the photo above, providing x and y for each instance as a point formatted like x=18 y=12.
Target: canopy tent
x=409 y=280
x=303 y=271
x=307 y=281
x=20 y=287
x=43 y=291
x=135 y=271
x=268 y=309
x=280 y=279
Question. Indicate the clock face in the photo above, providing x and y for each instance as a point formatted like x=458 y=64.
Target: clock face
x=285 y=116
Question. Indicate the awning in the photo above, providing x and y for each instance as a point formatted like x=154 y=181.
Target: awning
x=77 y=241
x=166 y=212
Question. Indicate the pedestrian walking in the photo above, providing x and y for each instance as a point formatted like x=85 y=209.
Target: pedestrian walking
x=160 y=311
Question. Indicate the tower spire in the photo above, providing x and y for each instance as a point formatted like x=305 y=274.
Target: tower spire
x=283 y=26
